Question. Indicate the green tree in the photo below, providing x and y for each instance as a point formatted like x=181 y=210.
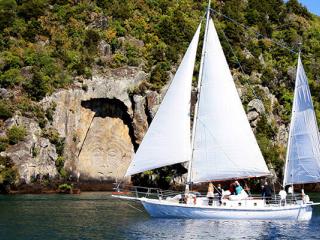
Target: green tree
x=7 y=13
x=293 y=6
x=38 y=86
x=32 y=8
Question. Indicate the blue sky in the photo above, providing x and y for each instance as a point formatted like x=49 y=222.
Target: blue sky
x=312 y=5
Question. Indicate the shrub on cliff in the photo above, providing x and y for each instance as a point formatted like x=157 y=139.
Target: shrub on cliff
x=5 y=110
x=59 y=165
x=16 y=134
x=55 y=139
x=8 y=174
x=65 y=188
x=4 y=142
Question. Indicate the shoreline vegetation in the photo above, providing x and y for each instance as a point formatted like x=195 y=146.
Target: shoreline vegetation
x=107 y=186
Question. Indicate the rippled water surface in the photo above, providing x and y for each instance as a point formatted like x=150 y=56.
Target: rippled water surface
x=98 y=216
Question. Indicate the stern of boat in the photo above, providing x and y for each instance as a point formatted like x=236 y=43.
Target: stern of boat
x=305 y=213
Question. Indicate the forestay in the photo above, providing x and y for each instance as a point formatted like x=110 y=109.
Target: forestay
x=225 y=146
x=167 y=140
x=303 y=153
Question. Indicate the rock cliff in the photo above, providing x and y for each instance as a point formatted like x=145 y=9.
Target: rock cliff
x=102 y=122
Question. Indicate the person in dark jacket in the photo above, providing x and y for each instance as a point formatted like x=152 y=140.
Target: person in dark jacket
x=232 y=188
x=266 y=192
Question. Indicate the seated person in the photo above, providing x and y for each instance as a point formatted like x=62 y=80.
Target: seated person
x=240 y=193
x=247 y=189
x=238 y=189
x=232 y=188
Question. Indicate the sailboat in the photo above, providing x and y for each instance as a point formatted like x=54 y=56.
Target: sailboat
x=221 y=145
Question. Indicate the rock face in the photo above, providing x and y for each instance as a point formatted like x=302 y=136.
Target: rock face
x=255 y=109
x=101 y=125
x=140 y=120
x=102 y=122
x=35 y=156
x=256 y=105
x=153 y=101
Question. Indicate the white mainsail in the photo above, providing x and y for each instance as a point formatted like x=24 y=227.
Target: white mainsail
x=303 y=153
x=225 y=146
x=167 y=140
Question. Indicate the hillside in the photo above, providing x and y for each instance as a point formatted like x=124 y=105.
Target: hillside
x=60 y=61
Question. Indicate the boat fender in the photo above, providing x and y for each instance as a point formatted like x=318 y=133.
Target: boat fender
x=194 y=200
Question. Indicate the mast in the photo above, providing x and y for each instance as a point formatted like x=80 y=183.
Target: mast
x=198 y=97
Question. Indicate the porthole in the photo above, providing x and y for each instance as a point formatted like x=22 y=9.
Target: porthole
x=255 y=204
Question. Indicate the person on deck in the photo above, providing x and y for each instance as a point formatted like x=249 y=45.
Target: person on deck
x=210 y=194
x=247 y=189
x=232 y=188
x=266 y=192
x=283 y=196
x=238 y=188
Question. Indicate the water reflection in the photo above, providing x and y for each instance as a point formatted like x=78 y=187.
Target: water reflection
x=207 y=229
x=97 y=216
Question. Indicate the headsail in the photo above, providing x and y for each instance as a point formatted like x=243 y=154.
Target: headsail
x=167 y=140
x=303 y=153
x=225 y=146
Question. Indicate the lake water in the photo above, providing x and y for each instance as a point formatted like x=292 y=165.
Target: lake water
x=97 y=216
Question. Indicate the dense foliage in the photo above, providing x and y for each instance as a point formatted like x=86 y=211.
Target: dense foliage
x=8 y=174
x=45 y=44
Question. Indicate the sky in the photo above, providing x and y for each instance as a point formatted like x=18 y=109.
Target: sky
x=312 y=5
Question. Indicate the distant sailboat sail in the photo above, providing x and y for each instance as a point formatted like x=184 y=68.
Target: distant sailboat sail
x=303 y=153
x=225 y=146
x=167 y=140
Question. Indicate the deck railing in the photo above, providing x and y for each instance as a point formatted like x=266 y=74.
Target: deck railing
x=157 y=193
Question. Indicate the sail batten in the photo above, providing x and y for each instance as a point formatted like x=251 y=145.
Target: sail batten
x=225 y=147
x=303 y=151
x=167 y=140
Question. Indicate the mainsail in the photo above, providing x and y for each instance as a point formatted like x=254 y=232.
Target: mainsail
x=225 y=146
x=303 y=153
x=167 y=140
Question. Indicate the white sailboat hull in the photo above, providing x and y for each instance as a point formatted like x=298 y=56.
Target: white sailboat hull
x=163 y=209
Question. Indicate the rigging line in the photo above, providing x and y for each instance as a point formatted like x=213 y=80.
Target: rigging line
x=243 y=72
x=233 y=52
x=257 y=33
x=134 y=207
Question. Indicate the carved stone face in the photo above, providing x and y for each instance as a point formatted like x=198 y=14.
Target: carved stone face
x=107 y=149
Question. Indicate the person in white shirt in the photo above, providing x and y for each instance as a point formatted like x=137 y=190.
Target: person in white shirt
x=283 y=196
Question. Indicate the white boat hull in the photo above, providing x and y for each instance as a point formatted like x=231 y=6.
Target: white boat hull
x=164 y=209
